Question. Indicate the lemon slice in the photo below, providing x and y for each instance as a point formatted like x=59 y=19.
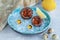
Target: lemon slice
x=40 y=13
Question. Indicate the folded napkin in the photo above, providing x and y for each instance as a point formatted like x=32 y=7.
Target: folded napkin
x=27 y=3
x=6 y=7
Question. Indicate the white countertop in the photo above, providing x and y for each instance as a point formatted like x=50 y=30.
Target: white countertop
x=9 y=34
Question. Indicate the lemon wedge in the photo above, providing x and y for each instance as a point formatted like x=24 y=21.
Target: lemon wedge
x=40 y=13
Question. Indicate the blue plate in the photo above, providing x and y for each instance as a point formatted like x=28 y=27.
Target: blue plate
x=22 y=28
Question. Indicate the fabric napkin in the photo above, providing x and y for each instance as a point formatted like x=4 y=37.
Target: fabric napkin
x=6 y=7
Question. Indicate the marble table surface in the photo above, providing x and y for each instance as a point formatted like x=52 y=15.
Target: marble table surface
x=9 y=34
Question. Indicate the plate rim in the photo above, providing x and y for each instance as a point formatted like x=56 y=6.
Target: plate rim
x=45 y=12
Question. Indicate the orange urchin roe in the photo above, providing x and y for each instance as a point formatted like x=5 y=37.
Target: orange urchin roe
x=26 y=13
x=36 y=20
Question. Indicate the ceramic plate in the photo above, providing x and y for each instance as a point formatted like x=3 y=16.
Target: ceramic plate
x=22 y=28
